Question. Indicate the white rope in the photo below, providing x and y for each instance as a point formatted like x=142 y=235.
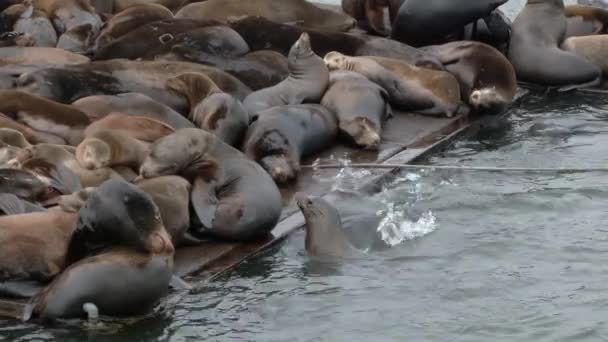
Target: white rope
x=457 y=168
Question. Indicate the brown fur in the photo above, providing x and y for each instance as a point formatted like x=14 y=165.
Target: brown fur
x=39 y=55
x=137 y=127
x=586 y=20
x=593 y=48
x=107 y=148
x=195 y=86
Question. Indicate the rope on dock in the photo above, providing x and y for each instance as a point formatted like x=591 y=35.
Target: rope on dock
x=455 y=168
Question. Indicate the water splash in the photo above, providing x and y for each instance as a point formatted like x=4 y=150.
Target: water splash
x=347 y=179
x=395 y=228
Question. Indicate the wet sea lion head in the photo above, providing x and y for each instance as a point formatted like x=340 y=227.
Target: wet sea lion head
x=336 y=61
x=93 y=154
x=486 y=98
x=363 y=132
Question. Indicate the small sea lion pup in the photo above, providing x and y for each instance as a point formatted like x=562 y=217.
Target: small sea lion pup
x=123 y=258
x=410 y=88
x=299 y=12
x=534 y=50
x=210 y=108
x=280 y=136
x=324 y=233
x=361 y=107
x=108 y=148
x=370 y=13
x=307 y=81
x=487 y=79
x=232 y=196
x=592 y=48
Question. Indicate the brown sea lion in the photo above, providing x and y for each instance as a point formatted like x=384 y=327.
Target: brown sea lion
x=307 y=81
x=300 y=12
x=32 y=21
x=232 y=196
x=137 y=127
x=121 y=5
x=45 y=115
x=592 y=48
x=24 y=184
x=78 y=40
x=13 y=137
x=370 y=13
x=9 y=39
x=487 y=78
x=123 y=254
x=210 y=108
x=129 y=19
x=68 y=84
x=30 y=134
x=534 y=49
x=324 y=233
x=421 y=90
x=67 y=14
x=361 y=107
x=280 y=136
x=73 y=202
x=109 y=148
x=39 y=55
x=585 y=20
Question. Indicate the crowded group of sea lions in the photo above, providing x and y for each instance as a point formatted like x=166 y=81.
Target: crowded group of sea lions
x=129 y=128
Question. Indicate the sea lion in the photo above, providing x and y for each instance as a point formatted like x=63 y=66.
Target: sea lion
x=258 y=69
x=232 y=196
x=103 y=7
x=361 y=107
x=45 y=115
x=31 y=135
x=324 y=233
x=171 y=194
x=585 y=20
x=210 y=108
x=370 y=13
x=78 y=40
x=70 y=83
x=119 y=236
x=24 y=184
x=61 y=179
x=280 y=136
x=421 y=90
x=416 y=21
x=32 y=21
x=9 y=39
x=121 y=5
x=72 y=203
x=596 y=3
x=13 y=205
x=109 y=148
x=39 y=55
x=137 y=127
x=261 y=33
x=307 y=81
x=534 y=49
x=13 y=137
x=99 y=106
x=301 y=12
x=487 y=78
x=129 y=19
x=67 y=14
x=592 y=48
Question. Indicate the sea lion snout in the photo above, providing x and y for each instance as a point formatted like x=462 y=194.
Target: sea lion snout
x=279 y=168
x=484 y=98
x=303 y=200
x=334 y=60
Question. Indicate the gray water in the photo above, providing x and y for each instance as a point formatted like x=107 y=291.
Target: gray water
x=468 y=257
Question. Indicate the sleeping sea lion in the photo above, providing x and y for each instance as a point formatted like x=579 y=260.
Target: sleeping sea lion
x=109 y=148
x=136 y=127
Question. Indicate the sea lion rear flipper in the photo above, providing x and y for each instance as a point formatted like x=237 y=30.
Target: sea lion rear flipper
x=20 y=288
x=204 y=201
x=177 y=283
x=65 y=180
x=13 y=205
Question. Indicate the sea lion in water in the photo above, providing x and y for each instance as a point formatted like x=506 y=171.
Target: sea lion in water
x=421 y=90
x=45 y=115
x=232 y=196
x=280 y=136
x=119 y=236
x=107 y=148
x=324 y=232
x=129 y=19
x=592 y=48
x=307 y=81
x=68 y=84
x=210 y=108
x=301 y=12
x=487 y=79
x=99 y=106
x=534 y=50
x=361 y=107
x=416 y=21
x=137 y=127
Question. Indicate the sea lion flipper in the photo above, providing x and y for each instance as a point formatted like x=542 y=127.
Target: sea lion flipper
x=179 y=284
x=65 y=180
x=13 y=205
x=204 y=201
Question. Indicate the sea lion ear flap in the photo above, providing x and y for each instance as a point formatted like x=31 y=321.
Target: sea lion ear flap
x=374 y=13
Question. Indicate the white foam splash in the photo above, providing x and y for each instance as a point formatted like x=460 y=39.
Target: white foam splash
x=395 y=228
x=347 y=178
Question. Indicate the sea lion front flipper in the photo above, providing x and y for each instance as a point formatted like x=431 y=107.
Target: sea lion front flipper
x=177 y=283
x=20 y=288
x=204 y=201
x=13 y=205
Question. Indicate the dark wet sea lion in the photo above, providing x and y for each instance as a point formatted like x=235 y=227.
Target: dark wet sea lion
x=119 y=236
x=137 y=127
x=129 y=19
x=370 y=13
x=70 y=83
x=416 y=22
x=258 y=69
x=421 y=90
x=109 y=148
x=300 y=12
x=39 y=55
x=324 y=232
x=78 y=40
x=592 y=48
x=261 y=34
x=232 y=196
x=99 y=106
x=361 y=107
x=487 y=79
x=44 y=115
x=171 y=194
x=585 y=20
x=210 y=108
x=282 y=135
x=307 y=81
x=534 y=50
